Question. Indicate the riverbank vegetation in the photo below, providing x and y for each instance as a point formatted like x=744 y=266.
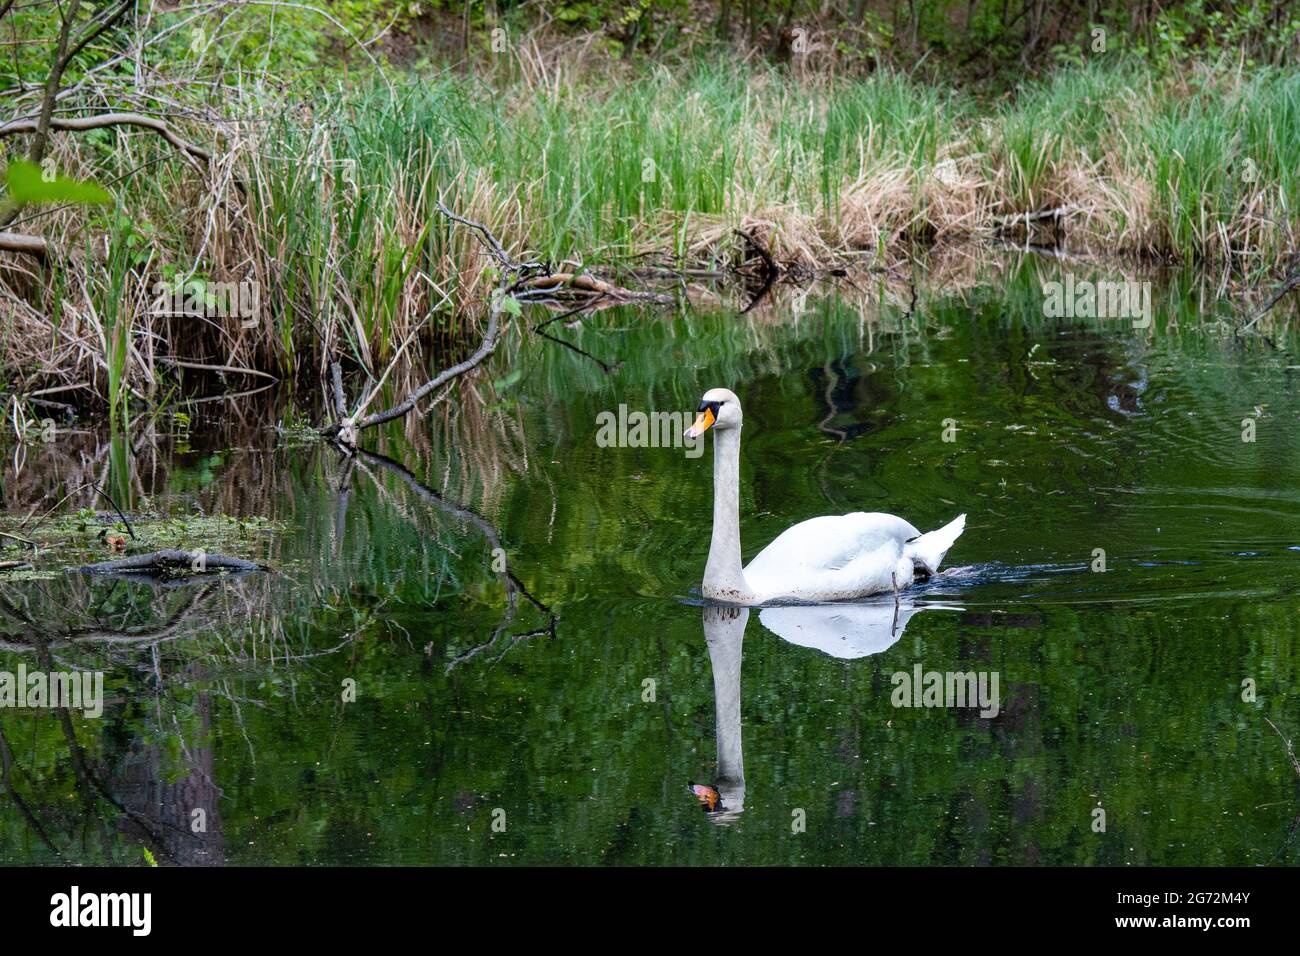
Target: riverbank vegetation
x=273 y=170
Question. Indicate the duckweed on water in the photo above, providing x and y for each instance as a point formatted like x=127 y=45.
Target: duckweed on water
x=88 y=536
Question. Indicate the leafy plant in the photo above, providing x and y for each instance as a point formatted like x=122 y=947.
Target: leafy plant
x=29 y=184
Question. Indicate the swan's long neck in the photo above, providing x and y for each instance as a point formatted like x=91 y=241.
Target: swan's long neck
x=724 y=579
x=724 y=632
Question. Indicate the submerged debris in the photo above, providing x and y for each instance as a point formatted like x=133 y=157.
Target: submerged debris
x=165 y=546
x=170 y=560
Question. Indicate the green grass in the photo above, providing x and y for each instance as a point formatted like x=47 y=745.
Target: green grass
x=354 y=258
x=593 y=165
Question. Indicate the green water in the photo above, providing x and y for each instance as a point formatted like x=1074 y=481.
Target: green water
x=562 y=726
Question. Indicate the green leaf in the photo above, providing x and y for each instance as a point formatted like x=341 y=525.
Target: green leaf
x=27 y=185
x=148 y=857
x=510 y=304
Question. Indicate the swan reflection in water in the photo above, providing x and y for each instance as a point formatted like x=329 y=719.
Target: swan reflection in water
x=845 y=631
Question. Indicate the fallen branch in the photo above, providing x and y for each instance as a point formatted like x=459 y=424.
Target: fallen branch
x=192 y=152
x=17 y=537
x=345 y=431
x=28 y=245
x=1056 y=214
x=170 y=560
x=222 y=369
x=1292 y=281
x=583 y=306
x=586 y=284
x=770 y=269
x=340 y=404
x=492 y=242
x=518 y=280
x=120 y=513
x=98 y=490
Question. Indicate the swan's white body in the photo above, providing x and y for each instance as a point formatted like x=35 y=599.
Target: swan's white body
x=832 y=558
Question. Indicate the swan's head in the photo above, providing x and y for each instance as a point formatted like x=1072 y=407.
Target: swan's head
x=720 y=409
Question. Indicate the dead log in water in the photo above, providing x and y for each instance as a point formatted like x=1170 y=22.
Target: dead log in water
x=170 y=560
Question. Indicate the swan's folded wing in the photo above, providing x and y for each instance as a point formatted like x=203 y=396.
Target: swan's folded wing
x=829 y=543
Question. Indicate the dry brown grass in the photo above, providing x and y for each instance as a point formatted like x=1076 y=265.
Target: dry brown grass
x=354 y=264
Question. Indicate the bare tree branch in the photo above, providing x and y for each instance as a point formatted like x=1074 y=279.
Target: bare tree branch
x=97 y=29
x=346 y=429
x=65 y=51
x=1292 y=281
x=53 y=79
x=103 y=120
x=340 y=404
x=30 y=245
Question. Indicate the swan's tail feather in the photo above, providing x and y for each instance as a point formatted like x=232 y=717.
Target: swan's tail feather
x=928 y=550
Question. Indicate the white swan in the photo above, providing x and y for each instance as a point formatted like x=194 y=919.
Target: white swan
x=832 y=558
x=847 y=631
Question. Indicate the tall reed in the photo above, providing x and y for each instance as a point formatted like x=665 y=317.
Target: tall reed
x=338 y=222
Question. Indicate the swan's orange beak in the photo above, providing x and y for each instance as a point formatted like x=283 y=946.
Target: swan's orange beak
x=708 y=796
x=703 y=422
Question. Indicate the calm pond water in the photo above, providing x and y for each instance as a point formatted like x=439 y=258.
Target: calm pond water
x=556 y=715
